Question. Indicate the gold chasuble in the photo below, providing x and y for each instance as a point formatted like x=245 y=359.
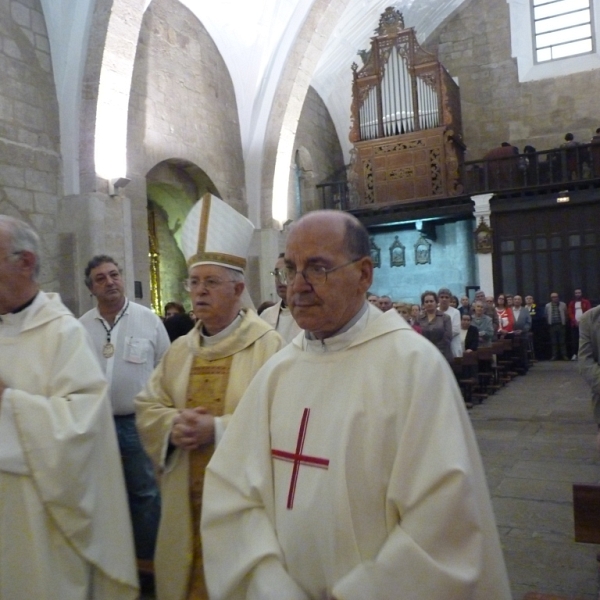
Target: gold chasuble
x=206 y=388
x=191 y=374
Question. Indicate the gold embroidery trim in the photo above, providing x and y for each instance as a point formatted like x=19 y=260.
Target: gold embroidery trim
x=204 y=218
x=218 y=257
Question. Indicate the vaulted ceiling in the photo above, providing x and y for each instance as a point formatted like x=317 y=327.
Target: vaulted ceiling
x=255 y=38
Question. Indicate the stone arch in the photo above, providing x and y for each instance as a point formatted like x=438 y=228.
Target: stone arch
x=113 y=40
x=278 y=158
x=173 y=186
x=127 y=36
x=111 y=53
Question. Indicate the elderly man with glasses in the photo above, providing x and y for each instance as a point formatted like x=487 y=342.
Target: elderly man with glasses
x=350 y=468
x=184 y=409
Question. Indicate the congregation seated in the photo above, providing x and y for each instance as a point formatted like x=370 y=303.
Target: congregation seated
x=495 y=337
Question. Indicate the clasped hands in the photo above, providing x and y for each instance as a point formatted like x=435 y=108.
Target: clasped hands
x=192 y=428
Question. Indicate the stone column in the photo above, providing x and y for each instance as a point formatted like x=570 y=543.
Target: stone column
x=91 y=224
x=266 y=246
x=484 y=261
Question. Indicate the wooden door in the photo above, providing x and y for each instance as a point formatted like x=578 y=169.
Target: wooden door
x=552 y=248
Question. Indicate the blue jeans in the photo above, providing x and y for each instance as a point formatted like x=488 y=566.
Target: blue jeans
x=142 y=491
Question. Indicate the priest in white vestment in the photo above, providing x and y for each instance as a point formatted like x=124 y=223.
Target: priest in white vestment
x=350 y=469
x=279 y=316
x=65 y=531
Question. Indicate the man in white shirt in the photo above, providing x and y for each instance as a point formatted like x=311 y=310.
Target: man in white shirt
x=129 y=341
x=444 y=297
x=279 y=316
x=338 y=476
x=63 y=512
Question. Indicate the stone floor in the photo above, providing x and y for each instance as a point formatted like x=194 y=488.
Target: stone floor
x=537 y=438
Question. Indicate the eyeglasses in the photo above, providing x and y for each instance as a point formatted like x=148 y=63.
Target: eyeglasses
x=11 y=254
x=210 y=283
x=313 y=274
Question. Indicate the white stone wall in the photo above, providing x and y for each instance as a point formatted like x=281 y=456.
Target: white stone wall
x=182 y=106
x=317 y=139
x=452 y=263
x=30 y=165
x=475 y=46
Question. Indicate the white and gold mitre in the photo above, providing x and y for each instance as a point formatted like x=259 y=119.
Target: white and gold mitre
x=214 y=233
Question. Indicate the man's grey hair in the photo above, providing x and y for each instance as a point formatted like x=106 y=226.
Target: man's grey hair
x=233 y=274
x=22 y=239
x=236 y=275
x=96 y=261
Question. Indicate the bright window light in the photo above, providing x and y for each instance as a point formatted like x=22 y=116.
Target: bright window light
x=562 y=28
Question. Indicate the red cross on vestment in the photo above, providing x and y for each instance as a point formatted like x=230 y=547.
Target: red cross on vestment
x=298 y=458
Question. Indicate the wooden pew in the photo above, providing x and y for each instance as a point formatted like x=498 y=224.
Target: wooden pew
x=485 y=375
x=465 y=371
x=586 y=513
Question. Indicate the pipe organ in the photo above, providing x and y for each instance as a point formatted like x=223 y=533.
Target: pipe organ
x=406 y=123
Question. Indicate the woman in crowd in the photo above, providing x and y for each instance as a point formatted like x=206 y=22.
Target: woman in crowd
x=435 y=325
x=178 y=325
x=415 y=313
x=469 y=334
x=172 y=309
x=506 y=319
x=405 y=311
x=483 y=323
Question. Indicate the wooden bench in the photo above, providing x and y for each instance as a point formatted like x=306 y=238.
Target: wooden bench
x=465 y=371
x=586 y=513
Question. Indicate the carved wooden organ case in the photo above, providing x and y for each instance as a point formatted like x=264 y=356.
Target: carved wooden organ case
x=406 y=122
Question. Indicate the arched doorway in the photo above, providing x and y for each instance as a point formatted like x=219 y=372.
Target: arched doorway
x=305 y=183
x=173 y=187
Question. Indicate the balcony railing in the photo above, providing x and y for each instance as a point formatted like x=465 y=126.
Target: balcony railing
x=334 y=195
x=531 y=170
x=528 y=171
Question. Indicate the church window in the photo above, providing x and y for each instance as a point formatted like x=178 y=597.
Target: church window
x=554 y=38
x=562 y=28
